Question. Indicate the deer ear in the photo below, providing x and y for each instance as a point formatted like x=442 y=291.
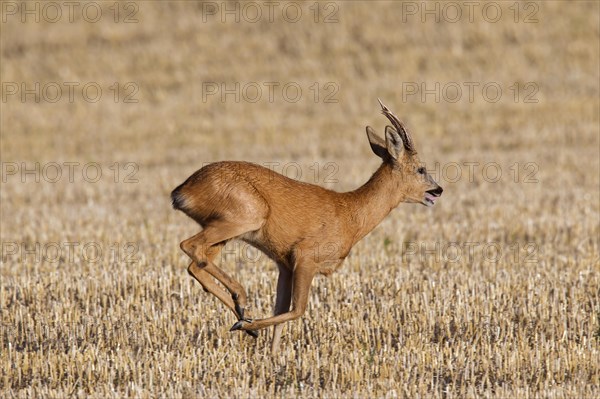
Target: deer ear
x=377 y=143
x=393 y=142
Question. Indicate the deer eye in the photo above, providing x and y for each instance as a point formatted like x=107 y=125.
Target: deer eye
x=421 y=170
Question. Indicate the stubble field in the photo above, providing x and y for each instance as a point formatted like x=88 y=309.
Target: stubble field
x=493 y=292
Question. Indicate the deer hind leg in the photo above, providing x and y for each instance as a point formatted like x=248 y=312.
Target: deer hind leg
x=282 y=303
x=203 y=248
x=206 y=280
x=209 y=285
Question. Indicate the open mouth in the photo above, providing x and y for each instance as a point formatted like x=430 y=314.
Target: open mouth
x=431 y=196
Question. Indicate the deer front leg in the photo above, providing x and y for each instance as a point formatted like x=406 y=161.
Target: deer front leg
x=301 y=280
x=282 y=302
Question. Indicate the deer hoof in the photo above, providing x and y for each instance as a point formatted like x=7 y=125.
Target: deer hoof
x=239 y=325
x=240 y=311
x=252 y=333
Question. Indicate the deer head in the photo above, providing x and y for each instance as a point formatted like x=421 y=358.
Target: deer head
x=398 y=151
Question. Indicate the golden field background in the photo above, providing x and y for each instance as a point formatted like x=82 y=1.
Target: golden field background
x=493 y=292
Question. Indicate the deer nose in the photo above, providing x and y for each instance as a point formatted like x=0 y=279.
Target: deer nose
x=437 y=191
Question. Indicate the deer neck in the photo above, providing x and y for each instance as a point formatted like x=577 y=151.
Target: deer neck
x=372 y=202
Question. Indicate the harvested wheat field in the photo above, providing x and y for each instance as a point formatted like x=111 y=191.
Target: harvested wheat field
x=107 y=107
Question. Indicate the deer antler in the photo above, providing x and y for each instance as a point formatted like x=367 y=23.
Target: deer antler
x=400 y=128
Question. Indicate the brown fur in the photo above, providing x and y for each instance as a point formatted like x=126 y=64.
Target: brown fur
x=304 y=228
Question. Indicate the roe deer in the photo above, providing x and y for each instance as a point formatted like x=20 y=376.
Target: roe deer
x=306 y=229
